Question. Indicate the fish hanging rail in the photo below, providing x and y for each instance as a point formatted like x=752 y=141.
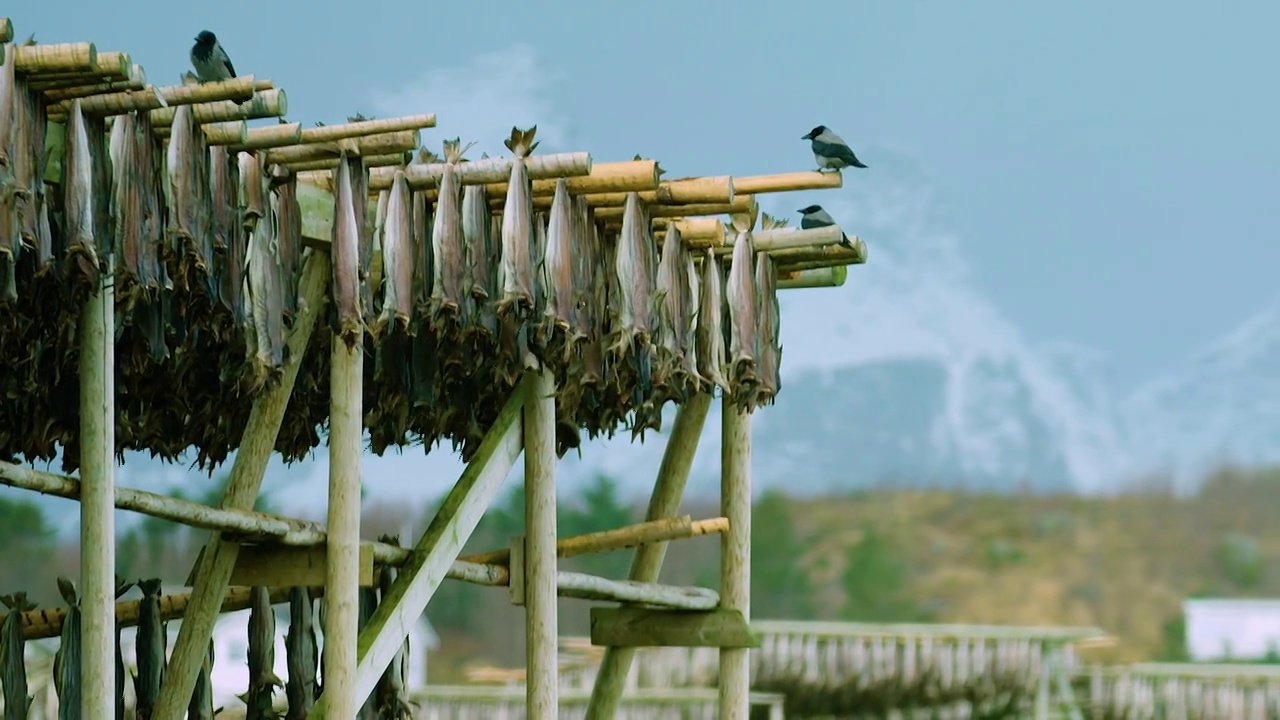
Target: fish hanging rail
x=151 y=98
x=264 y=104
x=233 y=132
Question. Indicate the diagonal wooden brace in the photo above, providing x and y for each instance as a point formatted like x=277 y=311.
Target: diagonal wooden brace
x=436 y=551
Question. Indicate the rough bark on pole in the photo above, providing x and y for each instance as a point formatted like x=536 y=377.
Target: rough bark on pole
x=213 y=575
x=673 y=474
x=541 y=620
x=342 y=577
x=97 y=500
x=735 y=553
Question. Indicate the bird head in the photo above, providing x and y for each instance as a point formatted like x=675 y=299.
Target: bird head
x=206 y=38
x=815 y=132
x=811 y=209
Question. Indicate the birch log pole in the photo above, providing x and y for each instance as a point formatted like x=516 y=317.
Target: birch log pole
x=97 y=499
x=541 y=621
x=646 y=564
x=342 y=575
x=735 y=553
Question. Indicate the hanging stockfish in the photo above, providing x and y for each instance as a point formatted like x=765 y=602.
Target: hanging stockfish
x=769 y=314
x=201 y=705
x=122 y=587
x=346 y=251
x=482 y=261
x=674 y=367
x=740 y=296
x=152 y=312
x=288 y=237
x=592 y=279
x=78 y=200
x=631 y=342
x=392 y=374
x=253 y=190
x=191 y=205
x=301 y=654
x=262 y=656
x=224 y=189
x=10 y=227
x=150 y=647
x=558 y=277
x=710 y=332
x=66 y=661
x=368 y=603
x=517 y=230
x=266 y=301
x=29 y=157
x=447 y=293
x=13 y=666
x=424 y=360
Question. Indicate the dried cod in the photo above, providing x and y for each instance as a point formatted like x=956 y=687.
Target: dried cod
x=397 y=257
x=266 y=308
x=29 y=157
x=558 y=273
x=346 y=252
x=392 y=692
x=261 y=656
x=517 y=230
x=483 y=257
x=150 y=648
x=288 y=240
x=769 y=313
x=710 y=331
x=631 y=345
x=675 y=375
x=13 y=668
x=301 y=654
x=78 y=200
x=10 y=227
x=740 y=296
x=66 y=661
x=201 y=705
x=447 y=295
x=190 y=203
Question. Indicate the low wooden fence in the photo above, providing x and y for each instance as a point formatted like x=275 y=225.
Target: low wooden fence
x=1181 y=691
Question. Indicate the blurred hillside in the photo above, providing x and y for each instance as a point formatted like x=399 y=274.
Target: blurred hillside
x=1122 y=563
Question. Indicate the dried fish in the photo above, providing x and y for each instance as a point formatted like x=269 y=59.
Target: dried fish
x=675 y=373
x=10 y=226
x=262 y=653
x=150 y=647
x=201 y=705
x=481 y=261
x=392 y=691
x=190 y=207
x=447 y=241
x=253 y=188
x=288 y=241
x=346 y=253
x=29 y=158
x=122 y=587
x=265 y=300
x=397 y=257
x=769 y=313
x=13 y=667
x=517 y=230
x=558 y=265
x=710 y=333
x=740 y=296
x=367 y=604
x=631 y=346
x=78 y=200
x=301 y=655
x=66 y=661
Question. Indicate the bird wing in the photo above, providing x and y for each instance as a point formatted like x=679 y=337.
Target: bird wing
x=823 y=218
x=222 y=57
x=835 y=150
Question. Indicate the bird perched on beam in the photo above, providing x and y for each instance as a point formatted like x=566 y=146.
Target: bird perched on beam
x=211 y=61
x=830 y=150
x=814 y=216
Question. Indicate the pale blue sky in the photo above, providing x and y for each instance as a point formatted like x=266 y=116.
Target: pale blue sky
x=1111 y=168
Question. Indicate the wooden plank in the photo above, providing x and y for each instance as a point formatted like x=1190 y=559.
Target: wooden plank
x=214 y=572
x=281 y=566
x=435 y=552
x=645 y=627
x=925 y=630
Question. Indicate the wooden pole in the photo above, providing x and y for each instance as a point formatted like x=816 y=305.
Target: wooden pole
x=213 y=575
x=342 y=577
x=436 y=551
x=97 y=499
x=673 y=474
x=735 y=553
x=541 y=620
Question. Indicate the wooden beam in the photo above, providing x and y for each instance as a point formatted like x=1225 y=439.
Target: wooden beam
x=275 y=566
x=592 y=587
x=735 y=552
x=541 y=618
x=435 y=552
x=673 y=475
x=219 y=558
x=650 y=531
x=97 y=501
x=645 y=627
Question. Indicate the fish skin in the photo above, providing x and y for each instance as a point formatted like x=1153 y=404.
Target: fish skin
x=301 y=654
x=261 y=655
x=397 y=257
x=29 y=159
x=447 y=249
x=741 y=298
x=769 y=314
x=13 y=672
x=201 y=705
x=150 y=647
x=126 y=205
x=190 y=207
x=78 y=196
x=476 y=227
x=346 y=254
x=289 y=241
x=711 y=345
x=558 y=265
x=517 y=243
x=66 y=662
x=10 y=225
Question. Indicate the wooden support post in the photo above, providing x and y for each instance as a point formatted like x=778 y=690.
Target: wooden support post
x=219 y=558
x=434 y=554
x=541 y=619
x=735 y=553
x=97 y=499
x=342 y=578
x=673 y=474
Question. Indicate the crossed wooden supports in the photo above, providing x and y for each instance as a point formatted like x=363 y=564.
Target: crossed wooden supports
x=247 y=547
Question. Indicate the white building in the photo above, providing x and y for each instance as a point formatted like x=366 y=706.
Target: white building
x=1221 y=630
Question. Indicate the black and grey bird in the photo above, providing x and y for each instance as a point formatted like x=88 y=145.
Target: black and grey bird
x=814 y=216
x=830 y=150
x=211 y=61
